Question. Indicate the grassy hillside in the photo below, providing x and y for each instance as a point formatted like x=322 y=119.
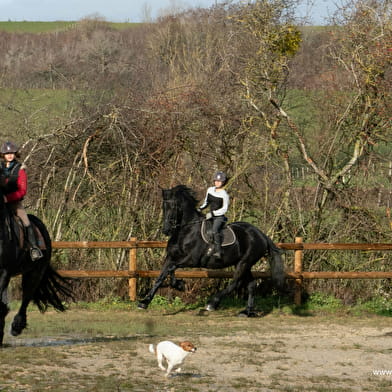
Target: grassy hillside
x=43 y=27
x=31 y=112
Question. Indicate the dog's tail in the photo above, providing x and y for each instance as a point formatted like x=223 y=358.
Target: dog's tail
x=151 y=348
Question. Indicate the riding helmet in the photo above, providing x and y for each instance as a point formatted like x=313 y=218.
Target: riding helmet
x=220 y=176
x=9 y=148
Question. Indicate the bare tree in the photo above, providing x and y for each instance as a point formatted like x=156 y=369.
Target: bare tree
x=359 y=119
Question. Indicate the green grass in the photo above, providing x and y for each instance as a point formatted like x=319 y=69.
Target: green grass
x=44 y=27
x=28 y=113
x=317 y=304
x=34 y=27
x=33 y=112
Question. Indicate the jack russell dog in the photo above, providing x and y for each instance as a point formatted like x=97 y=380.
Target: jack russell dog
x=172 y=353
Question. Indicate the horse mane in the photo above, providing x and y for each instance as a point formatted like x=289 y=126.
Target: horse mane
x=186 y=193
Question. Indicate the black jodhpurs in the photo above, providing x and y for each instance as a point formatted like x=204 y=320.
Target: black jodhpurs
x=217 y=224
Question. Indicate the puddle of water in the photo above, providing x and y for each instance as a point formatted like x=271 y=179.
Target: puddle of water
x=68 y=341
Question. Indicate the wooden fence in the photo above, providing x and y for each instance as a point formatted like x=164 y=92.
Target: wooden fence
x=298 y=274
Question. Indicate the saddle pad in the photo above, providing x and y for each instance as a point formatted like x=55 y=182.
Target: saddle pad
x=229 y=237
x=20 y=232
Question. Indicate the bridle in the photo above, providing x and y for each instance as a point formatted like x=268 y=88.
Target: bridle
x=173 y=221
x=173 y=218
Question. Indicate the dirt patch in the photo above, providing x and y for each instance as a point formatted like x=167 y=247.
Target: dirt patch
x=274 y=353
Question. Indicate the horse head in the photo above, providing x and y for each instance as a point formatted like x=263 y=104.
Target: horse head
x=179 y=205
x=170 y=212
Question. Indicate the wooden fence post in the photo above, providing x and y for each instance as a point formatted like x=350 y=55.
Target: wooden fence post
x=132 y=268
x=298 y=256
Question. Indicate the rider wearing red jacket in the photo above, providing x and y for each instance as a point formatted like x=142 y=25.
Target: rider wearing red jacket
x=16 y=188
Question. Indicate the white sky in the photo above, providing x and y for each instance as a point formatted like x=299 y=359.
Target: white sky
x=118 y=10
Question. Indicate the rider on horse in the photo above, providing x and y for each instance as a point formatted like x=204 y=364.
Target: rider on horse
x=16 y=182
x=218 y=200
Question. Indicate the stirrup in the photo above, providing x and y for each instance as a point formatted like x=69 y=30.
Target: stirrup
x=35 y=253
x=209 y=251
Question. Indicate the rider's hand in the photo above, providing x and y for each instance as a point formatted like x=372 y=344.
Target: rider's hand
x=209 y=215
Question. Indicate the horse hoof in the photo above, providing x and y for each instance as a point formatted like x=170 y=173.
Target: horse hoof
x=18 y=325
x=210 y=308
x=247 y=313
x=16 y=331
x=142 y=305
x=179 y=285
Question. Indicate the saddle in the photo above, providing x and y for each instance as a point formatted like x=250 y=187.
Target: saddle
x=228 y=235
x=15 y=225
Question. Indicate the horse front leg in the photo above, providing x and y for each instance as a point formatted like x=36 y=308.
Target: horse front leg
x=239 y=279
x=214 y=302
x=30 y=283
x=4 y=281
x=177 y=284
x=20 y=320
x=167 y=269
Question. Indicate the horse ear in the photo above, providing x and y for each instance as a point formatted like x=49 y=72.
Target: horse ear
x=161 y=188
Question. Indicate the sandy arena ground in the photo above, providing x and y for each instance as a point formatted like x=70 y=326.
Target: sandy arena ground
x=273 y=353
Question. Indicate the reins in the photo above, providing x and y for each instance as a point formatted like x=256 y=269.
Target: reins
x=173 y=220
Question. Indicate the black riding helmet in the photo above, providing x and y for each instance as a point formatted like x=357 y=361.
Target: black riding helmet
x=220 y=176
x=9 y=148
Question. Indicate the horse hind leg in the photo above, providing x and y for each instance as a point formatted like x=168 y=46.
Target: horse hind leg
x=3 y=313
x=250 y=308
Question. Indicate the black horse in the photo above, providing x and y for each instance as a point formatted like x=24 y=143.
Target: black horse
x=186 y=248
x=40 y=282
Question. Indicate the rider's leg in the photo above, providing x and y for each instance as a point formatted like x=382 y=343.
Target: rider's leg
x=216 y=229
x=35 y=251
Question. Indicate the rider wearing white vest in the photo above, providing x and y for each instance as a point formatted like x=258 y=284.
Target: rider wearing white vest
x=218 y=200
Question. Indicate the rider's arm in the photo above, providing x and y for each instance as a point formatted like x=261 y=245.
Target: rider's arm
x=20 y=193
x=205 y=203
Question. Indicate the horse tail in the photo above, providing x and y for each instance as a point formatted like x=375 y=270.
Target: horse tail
x=276 y=265
x=53 y=289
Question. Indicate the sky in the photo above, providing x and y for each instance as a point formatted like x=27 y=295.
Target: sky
x=121 y=10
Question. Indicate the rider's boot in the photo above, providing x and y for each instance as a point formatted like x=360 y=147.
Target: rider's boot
x=217 y=246
x=35 y=251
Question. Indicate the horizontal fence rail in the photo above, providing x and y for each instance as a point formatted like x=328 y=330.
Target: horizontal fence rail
x=297 y=274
